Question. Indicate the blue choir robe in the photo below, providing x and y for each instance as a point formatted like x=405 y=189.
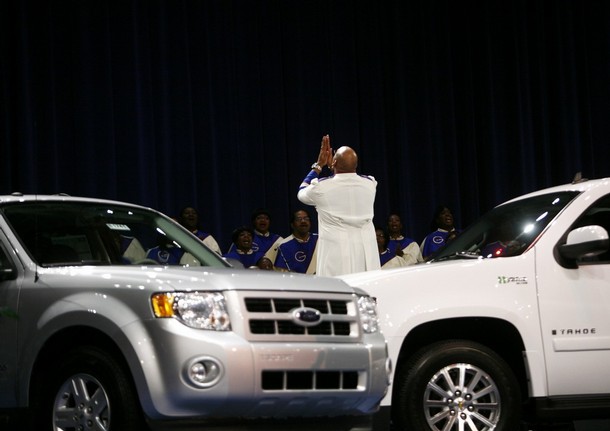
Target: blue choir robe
x=247 y=259
x=297 y=256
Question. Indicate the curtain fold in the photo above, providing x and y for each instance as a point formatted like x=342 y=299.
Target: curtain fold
x=221 y=104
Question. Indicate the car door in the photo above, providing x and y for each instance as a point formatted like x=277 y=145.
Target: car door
x=9 y=286
x=575 y=313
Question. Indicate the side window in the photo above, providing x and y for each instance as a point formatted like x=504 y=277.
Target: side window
x=597 y=214
x=7 y=269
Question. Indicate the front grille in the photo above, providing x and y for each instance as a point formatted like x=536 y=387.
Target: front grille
x=309 y=380
x=288 y=327
x=284 y=305
x=271 y=317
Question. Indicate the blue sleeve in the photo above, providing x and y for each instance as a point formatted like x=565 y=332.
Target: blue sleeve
x=307 y=180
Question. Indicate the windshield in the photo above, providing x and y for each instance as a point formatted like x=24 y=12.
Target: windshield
x=83 y=233
x=507 y=230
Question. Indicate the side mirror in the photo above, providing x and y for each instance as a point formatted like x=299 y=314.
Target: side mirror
x=585 y=242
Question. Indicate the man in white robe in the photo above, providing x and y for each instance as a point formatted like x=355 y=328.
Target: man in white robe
x=344 y=201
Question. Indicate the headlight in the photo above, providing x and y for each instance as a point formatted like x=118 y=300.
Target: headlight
x=367 y=308
x=201 y=310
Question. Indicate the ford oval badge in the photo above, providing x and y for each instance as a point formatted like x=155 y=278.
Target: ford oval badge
x=306 y=316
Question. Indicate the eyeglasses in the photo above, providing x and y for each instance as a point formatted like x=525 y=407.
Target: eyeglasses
x=301 y=218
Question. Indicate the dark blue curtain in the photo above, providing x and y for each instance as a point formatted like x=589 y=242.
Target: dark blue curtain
x=221 y=104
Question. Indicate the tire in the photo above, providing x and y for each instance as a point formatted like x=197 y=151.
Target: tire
x=456 y=385
x=87 y=390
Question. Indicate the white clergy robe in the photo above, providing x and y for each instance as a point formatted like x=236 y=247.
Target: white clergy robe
x=346 y=234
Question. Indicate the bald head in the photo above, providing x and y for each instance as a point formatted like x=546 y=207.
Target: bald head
x=345 y=161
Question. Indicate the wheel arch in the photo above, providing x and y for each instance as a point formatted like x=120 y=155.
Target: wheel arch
x=64 y=340
x=497 y=334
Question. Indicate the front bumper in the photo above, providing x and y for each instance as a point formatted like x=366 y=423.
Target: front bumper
x=257 y=379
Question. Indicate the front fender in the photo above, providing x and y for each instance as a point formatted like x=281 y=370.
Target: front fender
x=79 y=313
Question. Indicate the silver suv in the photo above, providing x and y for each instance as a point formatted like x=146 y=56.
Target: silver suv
x=112 y=316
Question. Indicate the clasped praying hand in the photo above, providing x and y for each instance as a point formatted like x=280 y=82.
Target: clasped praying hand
x=325 y=158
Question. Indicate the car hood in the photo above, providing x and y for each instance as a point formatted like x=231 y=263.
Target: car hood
x=428 y=279
x=161 y=278
x=383 y=276
x=439 y=288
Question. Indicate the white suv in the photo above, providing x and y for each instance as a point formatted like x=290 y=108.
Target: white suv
x=511 y=319
x=114 y=317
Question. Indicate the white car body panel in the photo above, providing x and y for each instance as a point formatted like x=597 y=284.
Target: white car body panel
x=561 y=314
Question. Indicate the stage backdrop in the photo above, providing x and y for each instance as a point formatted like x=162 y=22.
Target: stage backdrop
x=221 y=105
